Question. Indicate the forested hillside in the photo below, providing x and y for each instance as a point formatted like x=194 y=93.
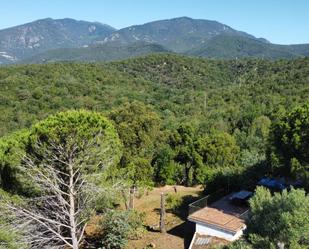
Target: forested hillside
x=232 y=102
x=97 y=53
x=225 y=94
x=86 y=133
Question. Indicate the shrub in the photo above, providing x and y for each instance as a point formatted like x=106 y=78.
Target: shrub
x=119 y=226
x=174 y=202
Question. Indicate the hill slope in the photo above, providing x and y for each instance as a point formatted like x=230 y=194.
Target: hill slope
x=231 y=46
x=106 y=52
x=31 y=38
x=207 y=93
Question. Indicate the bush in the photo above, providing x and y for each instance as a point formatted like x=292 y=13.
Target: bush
x=174 y=202
x=119 y=226
x=239 y=244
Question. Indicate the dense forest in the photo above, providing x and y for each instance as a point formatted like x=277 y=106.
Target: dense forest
x=226 y=95
x=159 y=119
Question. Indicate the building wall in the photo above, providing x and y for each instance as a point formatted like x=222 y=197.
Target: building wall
x=213 y=231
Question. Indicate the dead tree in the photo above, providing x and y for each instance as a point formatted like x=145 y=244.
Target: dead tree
x=57 y=217
x=162 y=214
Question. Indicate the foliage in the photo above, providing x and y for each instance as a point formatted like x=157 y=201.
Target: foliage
x=290 y=142
x=239 y=244
x=174 y=201
x=279 y=218
x=222 y=101
x=230 y=46
x=167 y=171
x=61 y=157
x=9 y=237
x=189 y=156
x=119 y=226
x=182 y=142
x=219 y=150
x=12 y=147
x=63 y=128
x=78 y=127
x=139 y=129
x=236 y=92
x=97 y=52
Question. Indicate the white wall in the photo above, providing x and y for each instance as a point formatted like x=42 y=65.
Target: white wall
x=213 y=231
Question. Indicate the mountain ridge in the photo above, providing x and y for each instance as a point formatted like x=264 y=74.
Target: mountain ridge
x=194 y=37
x=177 y=34
x=44 y=34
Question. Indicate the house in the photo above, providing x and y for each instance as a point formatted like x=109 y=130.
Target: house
x=223 y=219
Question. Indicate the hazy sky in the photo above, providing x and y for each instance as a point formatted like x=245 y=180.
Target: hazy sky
x=280 y=21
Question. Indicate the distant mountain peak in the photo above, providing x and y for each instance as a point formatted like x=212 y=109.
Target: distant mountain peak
x=177 y=34
x=44 y=34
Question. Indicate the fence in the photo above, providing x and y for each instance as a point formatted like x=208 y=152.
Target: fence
x=197 y=205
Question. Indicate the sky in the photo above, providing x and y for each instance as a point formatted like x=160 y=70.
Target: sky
x=279 y=21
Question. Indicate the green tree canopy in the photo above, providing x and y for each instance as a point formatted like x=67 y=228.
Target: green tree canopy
x=182 y=141
x=279 y=218
x=139 y=130
x=290 y=142
x=70 y=128
x=218 y=150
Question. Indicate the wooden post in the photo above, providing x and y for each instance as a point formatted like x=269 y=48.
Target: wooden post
x=131 y=201
x=162 y=214
x=175 y=189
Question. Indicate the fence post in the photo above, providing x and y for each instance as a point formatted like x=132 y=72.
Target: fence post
x=162 y=214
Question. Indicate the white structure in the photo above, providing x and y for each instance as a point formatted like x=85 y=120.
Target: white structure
x=222 y=220
x=216 y=231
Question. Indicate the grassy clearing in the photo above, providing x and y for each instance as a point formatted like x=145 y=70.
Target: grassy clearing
x=179 y=231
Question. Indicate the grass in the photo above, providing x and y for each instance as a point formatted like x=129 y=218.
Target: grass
x=179 y=231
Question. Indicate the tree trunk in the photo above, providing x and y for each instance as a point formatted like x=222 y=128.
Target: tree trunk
x=162 y=214
x=72 y=209
x=131 y=202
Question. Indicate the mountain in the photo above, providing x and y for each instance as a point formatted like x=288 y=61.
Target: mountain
x=106 y=52
x=49 y=40
x=232 y=46
x=177 y=34
x=26 y=40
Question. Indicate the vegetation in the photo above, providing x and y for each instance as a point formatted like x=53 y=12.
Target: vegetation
x=171 y=120
x=118 y=227
x=106 y=52
x=62 y=156
x=290 y=142
x=139 y=129
x=282 y=218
